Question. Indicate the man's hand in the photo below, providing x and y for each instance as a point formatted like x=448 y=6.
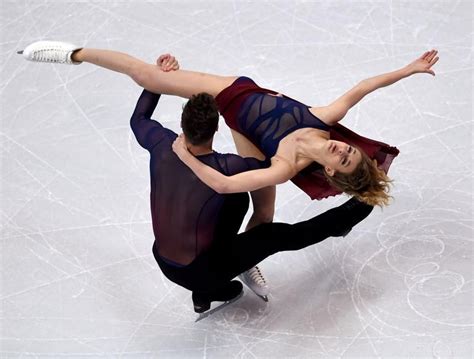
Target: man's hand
x=167 y=62
x=424 y=63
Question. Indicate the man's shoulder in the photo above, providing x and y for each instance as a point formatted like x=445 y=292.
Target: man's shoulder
x=168 y=134
x=169 y=131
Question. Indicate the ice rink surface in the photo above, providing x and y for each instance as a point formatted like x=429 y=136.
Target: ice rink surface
x=78 y=275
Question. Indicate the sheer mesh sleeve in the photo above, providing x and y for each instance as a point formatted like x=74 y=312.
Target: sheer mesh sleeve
x=148 y=132
x=233 y=164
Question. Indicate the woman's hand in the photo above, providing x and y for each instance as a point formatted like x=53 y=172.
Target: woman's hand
x=424 y=63
x=167 y=62
x=179 y=147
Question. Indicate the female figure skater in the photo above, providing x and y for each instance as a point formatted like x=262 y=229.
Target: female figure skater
x=292 y=134
x=295 y=136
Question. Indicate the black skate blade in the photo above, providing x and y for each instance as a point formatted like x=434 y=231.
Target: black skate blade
x=221 y=306
x=20 y=52
x=264 y=297
x=344 y=235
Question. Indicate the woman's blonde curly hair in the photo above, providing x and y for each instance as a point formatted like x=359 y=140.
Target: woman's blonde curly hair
x=367 y=182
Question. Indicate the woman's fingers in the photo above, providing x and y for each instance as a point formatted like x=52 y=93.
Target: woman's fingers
x=424 y=63
x=178 y=141
x=429 y=70
x=431 y=55
x=424 y=55
x=179 y=146
x=176 y=144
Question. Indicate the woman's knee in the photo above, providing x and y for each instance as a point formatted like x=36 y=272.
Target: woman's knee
x=144 y=75
x=265 y=214
x=263 y=202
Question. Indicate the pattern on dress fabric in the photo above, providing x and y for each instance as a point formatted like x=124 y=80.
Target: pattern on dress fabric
x=267 y=119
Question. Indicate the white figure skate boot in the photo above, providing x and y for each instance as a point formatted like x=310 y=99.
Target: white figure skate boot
x=254 y=279
x=50 y=51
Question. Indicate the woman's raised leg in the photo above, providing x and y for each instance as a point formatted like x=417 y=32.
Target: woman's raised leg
x=263 y=199
x=178 y=83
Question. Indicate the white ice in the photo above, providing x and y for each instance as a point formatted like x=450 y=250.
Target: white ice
x=78 y=275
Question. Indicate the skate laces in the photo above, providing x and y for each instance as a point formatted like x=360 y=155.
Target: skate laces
x=50 y=55
x=256 y=276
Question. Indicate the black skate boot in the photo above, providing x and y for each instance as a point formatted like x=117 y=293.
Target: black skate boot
x=228 y=294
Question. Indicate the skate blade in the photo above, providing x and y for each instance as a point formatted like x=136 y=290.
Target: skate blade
x=344 y=235
x=264 y=297
x=222 y=306
x=20 y=52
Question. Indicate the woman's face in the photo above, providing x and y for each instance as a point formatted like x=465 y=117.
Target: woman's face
x=341 y=157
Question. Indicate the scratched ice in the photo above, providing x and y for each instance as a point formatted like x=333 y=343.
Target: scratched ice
x=78 y=275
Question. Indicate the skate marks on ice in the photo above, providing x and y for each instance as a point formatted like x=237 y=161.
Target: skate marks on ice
x=80 y=278
x=245 y=308
x=219 y=307
x=414 y=254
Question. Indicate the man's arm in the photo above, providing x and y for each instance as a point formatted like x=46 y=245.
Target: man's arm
x=145 y=107
x=336 y=111
x=148 y=132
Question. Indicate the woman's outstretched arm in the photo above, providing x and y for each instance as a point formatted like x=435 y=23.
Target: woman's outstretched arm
x=336 y=111
x=280 y=171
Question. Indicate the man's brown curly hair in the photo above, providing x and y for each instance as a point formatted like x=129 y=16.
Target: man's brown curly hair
x=200 y=118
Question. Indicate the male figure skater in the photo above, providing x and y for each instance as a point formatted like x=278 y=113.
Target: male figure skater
x=196 y=241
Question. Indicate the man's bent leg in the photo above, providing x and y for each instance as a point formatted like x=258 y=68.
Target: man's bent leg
x=253 y=246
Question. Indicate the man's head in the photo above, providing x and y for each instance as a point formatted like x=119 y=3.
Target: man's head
x=199 y=119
